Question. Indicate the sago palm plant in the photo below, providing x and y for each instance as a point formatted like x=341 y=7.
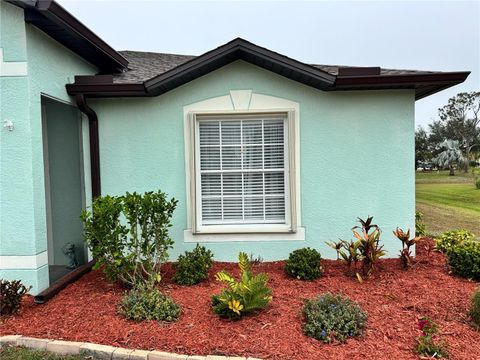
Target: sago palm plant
x=241 y=297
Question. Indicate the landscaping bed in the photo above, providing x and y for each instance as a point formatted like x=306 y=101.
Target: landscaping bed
x=393 y=298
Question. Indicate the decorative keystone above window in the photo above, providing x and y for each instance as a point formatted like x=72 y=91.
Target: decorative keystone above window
x=242 y=166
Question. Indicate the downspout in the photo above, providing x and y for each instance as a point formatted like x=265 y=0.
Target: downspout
x=94 y=144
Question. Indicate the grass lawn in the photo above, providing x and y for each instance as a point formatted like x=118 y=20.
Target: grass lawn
x=21 y=353
x=448 y=202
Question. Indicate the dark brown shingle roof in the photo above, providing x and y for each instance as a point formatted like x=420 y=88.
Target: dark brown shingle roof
x=146 y=65
x=143 y=66
x=153 y=74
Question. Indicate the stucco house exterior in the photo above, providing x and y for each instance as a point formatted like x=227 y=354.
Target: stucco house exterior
x=265 y=154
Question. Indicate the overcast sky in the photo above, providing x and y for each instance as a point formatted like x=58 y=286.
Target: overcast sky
x=426 y=35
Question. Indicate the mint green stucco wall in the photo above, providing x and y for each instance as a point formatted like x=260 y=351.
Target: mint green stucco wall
x=357 y=150
x=357 y=154
x=22 y=189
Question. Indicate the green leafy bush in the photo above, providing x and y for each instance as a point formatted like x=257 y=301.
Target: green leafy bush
x=420 y=228
x=475 y=309
x=428 y=343
x=193 y=266
x=11 y=293
x=464 y=260
x=452 y=238
x=128 y=235
x=304 y=264
x=333 y=318
x=148 y=303
x=242 y=297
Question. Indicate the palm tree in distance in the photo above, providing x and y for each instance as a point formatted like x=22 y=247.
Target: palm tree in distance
x=450 y=156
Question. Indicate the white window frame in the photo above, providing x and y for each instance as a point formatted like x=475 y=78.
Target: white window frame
x=246 y=104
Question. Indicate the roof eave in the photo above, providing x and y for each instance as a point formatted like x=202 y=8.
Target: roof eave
x=107 y=90
x=58 y=23
x=433 y=82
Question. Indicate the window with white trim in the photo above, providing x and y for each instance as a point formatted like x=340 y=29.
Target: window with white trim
x=242 y=172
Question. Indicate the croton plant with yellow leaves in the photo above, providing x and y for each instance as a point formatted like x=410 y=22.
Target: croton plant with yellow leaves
x=243 y=296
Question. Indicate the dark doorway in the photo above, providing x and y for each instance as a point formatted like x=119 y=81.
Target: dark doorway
x=64 y=186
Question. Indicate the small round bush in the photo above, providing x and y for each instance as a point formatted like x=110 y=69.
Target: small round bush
x=452 y=238
x=464 y=260
x=333 y=318
x=193 y=267
x=304 y=264
x=11 y=293
x=148 y=304
x=475 y=309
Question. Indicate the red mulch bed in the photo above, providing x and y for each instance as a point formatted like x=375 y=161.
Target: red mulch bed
x=393 y=298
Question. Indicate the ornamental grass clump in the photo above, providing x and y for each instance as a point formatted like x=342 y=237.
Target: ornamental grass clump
x=333 y=318
x=128 y=236
x=428 y=343
x=304 y=264
x=11 y=293
x=452 y=238
x=242 y=297
x=192 y=267
x=148 y=303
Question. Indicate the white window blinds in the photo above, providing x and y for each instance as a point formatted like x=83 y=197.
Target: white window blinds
x=242 y=168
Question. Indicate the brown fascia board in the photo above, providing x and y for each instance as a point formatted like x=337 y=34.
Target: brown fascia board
x=58 y=23
x=358 y=71
x=433 y=82
x=107 y=90
x=434 y=78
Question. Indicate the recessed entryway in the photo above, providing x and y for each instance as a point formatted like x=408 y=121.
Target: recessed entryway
x=64 y=186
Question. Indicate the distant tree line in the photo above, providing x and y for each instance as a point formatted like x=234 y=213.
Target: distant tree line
x=454 y=139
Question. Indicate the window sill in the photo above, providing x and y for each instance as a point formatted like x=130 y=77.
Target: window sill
x=189 y=237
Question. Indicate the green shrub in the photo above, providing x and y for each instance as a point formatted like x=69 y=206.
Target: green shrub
x=475 y=309
x=193 y=267
x=304 y=264
x=144 y=303
x=428 y=343
x=333 y=318
x=242 y=297
x=452 y=238
x=420 y=228
x=128 y=235
x=11 y=293
x=464 y=260
x=477 y=181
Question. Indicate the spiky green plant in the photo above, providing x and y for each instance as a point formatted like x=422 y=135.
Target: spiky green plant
x=243 y=296
x=369 y=247
x=406 y=259
x=347 y=251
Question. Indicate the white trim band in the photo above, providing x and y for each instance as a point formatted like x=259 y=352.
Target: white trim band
x=188 y=237
x=12 y=262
